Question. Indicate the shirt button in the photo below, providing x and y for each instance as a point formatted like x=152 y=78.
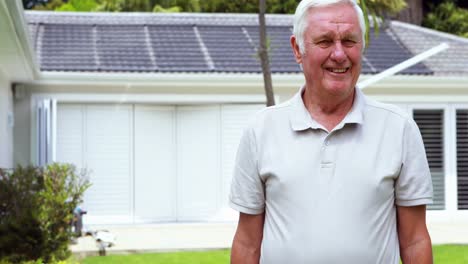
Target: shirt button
x=327 y=142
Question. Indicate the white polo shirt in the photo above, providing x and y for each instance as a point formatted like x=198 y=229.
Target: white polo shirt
x=330 y=197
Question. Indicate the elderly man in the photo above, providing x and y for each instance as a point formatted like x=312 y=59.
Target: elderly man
x=331 y=176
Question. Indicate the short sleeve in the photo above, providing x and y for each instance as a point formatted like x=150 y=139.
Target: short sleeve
x=414 y=185
x=247 y=189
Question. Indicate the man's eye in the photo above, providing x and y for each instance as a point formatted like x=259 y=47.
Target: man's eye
x=324 y=43
x=349 y=42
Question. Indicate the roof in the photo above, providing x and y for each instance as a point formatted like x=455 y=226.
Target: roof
x=194 y=42
x=451 y=62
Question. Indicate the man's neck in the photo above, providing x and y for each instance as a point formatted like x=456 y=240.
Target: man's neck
x=328 y=110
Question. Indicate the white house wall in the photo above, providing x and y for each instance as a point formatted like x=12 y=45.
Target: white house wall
x=22 y=130
x=6 y=123
x=16 y=52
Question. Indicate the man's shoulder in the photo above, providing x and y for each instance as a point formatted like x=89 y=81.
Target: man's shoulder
x=387 y=109
x=275 y=113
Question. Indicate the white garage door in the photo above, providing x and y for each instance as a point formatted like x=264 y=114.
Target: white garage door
x=153 y=163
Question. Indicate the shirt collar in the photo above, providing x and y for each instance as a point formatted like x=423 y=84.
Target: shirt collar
x=300 y=118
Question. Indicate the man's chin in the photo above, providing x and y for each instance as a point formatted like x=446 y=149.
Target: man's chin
x=340 y=89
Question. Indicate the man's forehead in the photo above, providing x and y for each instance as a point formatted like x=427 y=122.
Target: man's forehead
x=334 y=14
x=333 y=29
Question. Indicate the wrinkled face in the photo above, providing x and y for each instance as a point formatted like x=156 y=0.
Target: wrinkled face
x=333 y=45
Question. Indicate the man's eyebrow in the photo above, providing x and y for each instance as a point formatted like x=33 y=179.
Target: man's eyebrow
x=325 y=35
x=331 y=35
x=350 y=35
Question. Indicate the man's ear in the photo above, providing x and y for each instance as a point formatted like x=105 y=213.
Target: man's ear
x=296 y=50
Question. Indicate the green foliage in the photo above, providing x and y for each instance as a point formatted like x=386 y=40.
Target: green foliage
x=248 y=6
x=29 y=4
x=449 y=18
x=160 y=9
x=36 y=209
x=78 y=6
x=18 y=214
x=51 y=5
x=282 y=7
x=109 y=6
x=124 y=6
x=136 y=5
x=209 y=6
x=176 y=6
x=379 y=7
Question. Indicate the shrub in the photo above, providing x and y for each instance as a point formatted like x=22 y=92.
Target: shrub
x=449 y=18
x=36 y=208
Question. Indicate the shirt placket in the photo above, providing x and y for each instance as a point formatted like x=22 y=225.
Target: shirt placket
x=328 y=158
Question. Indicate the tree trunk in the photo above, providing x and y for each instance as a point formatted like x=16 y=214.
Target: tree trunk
x=263 y=54
x=413 y=13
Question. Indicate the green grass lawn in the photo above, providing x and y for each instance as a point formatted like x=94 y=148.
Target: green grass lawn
x=450 y=254
x=202 y=257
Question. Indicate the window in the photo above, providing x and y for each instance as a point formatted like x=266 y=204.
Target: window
x=431 y=125
x=462 y=159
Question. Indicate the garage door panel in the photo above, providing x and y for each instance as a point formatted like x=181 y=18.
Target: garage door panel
x=70 y=134
x=108 y=155
x=155 y=164
x=234 y=119
x=198 y=138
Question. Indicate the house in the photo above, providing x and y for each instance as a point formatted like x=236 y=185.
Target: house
x=153 y=105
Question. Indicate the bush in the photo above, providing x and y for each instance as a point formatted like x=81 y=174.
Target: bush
x=36 y=208
x=449 y=18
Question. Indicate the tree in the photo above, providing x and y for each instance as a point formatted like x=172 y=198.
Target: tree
x=110 y=6
x=449 y=18
x=29 y=4
x=383 y=7
x=379 y=9
x=78 y=6
x=176 y=5
x=47 y=4
x=219 y=6
x=136 y=5
x=263 y=54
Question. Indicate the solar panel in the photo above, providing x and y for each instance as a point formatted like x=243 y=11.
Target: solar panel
x=176 y=48
x=230 y=49
x=188 y=48
x=123 y=48
x=67 y=47
x=281 y=54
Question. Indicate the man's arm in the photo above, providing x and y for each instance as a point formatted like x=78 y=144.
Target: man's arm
x=248 y=239
x=415 y=242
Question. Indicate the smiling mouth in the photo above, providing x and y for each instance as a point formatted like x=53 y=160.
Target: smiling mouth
x=337 y=70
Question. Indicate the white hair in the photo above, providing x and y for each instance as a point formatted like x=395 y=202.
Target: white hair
x=302 y=11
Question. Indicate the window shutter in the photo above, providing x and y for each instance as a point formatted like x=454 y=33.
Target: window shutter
x=462 y=158
x=431 y=125
x=45 y=132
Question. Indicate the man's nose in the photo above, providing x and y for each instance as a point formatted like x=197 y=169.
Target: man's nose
x=338 y=54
